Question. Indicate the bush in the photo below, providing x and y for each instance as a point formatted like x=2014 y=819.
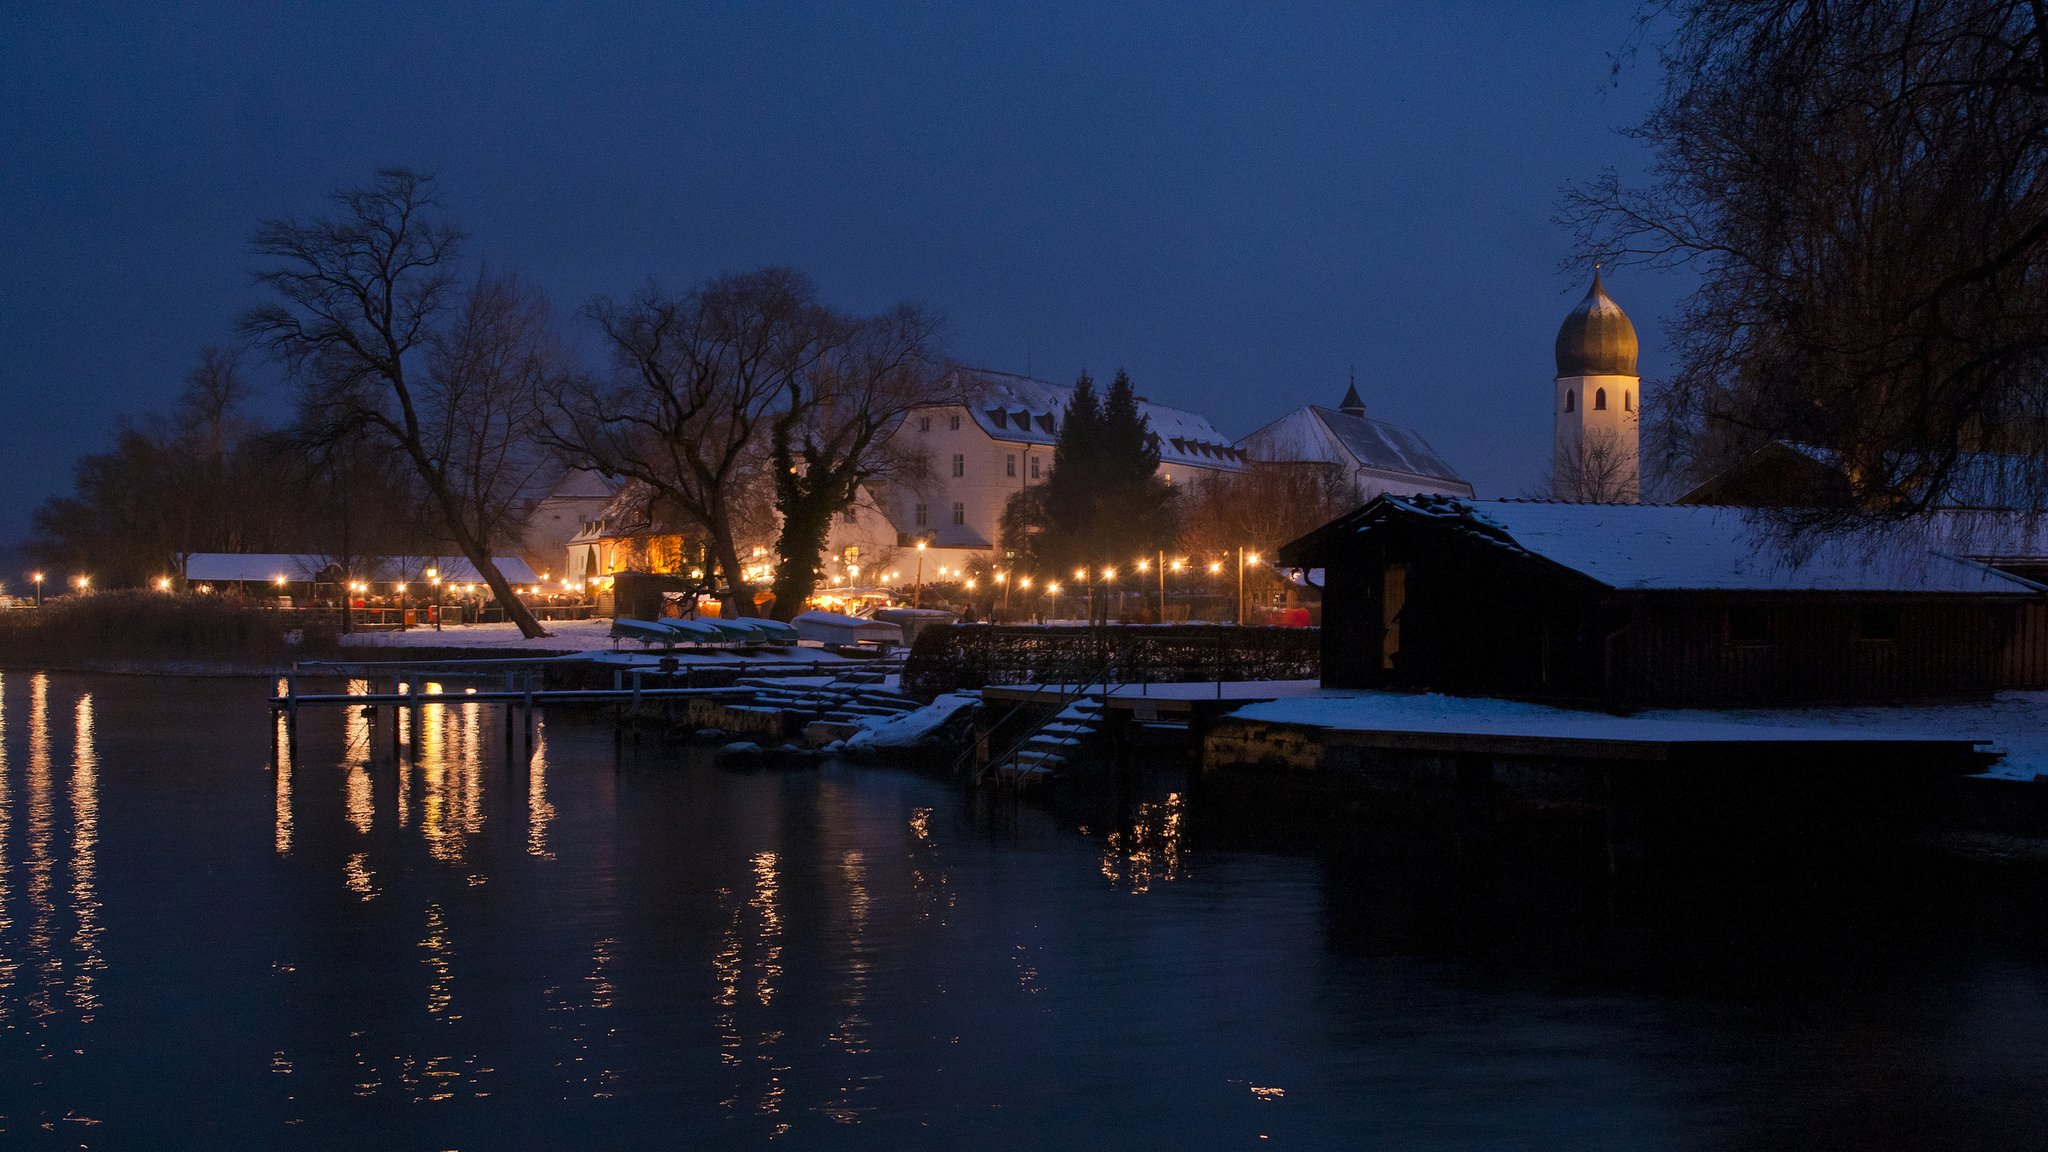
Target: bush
x=154 y=627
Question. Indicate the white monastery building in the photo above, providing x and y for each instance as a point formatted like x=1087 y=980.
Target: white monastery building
x=974 y=456
x=1381 y=458
x=1596 y=449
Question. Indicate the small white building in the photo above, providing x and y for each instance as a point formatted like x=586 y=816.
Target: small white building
x=970 y=458
x=1381 y=458
x=556 y=519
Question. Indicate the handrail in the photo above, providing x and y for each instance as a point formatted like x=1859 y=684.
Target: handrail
x=1101 y=677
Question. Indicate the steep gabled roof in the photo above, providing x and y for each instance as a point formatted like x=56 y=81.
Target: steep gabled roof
x=1023 y=410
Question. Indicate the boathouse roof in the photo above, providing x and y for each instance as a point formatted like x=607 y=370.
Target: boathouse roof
x=1671 y=547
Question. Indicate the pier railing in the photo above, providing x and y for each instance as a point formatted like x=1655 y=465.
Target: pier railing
x=966 y=656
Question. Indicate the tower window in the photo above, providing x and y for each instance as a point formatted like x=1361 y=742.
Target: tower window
x=1571 y=400
x=1628 y=401
x=1600 y=400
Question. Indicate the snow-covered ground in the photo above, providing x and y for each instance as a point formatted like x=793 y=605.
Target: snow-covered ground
x=564 y=636
x=2014 y=724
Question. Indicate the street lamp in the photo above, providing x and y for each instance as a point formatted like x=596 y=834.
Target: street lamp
x=917 y=593
x=1054 y=588
x=38 y=581
x=434 y=578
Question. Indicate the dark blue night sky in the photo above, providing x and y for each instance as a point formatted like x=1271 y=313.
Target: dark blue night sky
x=1235 y=202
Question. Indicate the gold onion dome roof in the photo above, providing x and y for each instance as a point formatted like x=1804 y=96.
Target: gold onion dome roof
x=1596 y=339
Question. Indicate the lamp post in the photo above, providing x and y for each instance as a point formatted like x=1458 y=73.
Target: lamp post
x=37 y=579
x=1003 y=578
x=1054 y=588
x=917 y=592
x=1108 y=578
x=434 y=578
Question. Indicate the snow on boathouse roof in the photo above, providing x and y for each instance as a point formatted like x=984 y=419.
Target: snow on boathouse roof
x=1672 y=547
x=1023 y=410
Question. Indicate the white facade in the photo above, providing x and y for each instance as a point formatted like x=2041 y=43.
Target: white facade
x=975 y=456
x=1598 y=437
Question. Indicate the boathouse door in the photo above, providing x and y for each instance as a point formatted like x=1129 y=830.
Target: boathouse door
x=1394 y=597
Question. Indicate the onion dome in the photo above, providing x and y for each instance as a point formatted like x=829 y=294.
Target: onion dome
x=1596 y=339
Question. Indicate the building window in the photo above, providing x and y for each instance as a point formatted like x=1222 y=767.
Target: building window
x=1034 y=467
x=1628 y=400
x=959 y=513
x=956 y=422
x=1749 y=626
x=922 y=516
x=1010 y=465
x=959 y=465
x=924 y=423
x=1571 y=400
x=1600 y=400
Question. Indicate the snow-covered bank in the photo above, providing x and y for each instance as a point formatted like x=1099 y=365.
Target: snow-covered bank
x=2014 y=724
x=563 y=636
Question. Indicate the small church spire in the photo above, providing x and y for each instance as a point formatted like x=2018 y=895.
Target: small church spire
x=1351 y=405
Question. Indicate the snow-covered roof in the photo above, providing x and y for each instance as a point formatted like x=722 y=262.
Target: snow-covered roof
x=264 y=567
x=1313 y=433
x=1023 y=410
x=1673 y=547
x=583 y=484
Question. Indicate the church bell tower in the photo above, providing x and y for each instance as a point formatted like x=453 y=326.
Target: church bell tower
x=1596 y=453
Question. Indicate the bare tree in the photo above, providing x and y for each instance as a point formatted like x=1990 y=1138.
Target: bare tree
x=365 y=297
x=697 y=381
x=1597 y=468
x=833 y=434
x=1862 y=187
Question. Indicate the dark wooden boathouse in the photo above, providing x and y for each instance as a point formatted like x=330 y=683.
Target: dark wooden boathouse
x=1632 y=605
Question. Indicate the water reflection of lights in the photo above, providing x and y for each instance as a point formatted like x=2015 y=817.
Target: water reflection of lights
x=6 y=829
x=1149 y=849
x=356 y=752
x=451 y=770
x=766 y=890
x=929 y=887
x=41 y=907
x=539 y=812
x=281 y=738
x=85 y=827
x=356 y=875
x=851 y=1033
x=439 y=959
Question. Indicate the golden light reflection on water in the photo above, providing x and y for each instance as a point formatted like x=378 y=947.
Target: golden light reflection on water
x=356 y=737
x=451 y=770
x=281 y=740
x=1149 y=850
x=732 y=987
x=851 y=1031
x=539 y=811
x=42 y=908
x=6 y=831
x=927 y=880
x=440 y=962
x=357 y=877
x=85 y=827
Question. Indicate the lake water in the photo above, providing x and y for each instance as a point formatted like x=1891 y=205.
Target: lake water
x=199 y=949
